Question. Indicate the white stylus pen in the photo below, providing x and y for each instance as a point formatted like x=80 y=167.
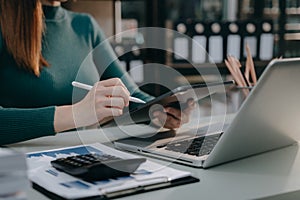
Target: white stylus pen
x=89 y=87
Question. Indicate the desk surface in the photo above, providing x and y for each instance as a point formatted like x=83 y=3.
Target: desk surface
x=272 y=175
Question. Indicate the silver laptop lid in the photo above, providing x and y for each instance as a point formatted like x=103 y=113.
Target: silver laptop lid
x=268 y=119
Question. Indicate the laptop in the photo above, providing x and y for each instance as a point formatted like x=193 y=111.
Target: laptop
x=268 y=119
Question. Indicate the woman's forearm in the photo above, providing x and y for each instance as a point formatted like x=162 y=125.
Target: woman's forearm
x=63 y=118
x=106 y=99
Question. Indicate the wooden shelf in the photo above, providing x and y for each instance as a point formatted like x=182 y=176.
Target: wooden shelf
x=207 y=68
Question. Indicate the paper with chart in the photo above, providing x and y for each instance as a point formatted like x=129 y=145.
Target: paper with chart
x=43 y=174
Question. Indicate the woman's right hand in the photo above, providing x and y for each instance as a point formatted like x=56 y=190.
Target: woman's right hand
x=106 y=99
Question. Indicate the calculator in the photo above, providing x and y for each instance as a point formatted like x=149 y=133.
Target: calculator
x=96 y=167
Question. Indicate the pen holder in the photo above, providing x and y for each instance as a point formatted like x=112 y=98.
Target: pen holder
x=236 y=96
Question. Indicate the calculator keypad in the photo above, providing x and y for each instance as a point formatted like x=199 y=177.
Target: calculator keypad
x=93 y=167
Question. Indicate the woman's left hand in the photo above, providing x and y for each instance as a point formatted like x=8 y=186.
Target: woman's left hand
x=173 y=118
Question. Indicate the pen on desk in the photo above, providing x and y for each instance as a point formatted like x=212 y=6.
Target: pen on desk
x=89 y=87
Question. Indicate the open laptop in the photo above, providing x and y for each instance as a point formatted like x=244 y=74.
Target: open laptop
x=268 y=119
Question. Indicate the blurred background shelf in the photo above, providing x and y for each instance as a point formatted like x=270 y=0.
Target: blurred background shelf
x=116 y=16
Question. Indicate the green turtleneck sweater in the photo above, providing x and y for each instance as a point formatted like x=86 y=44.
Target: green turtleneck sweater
x=27 y=102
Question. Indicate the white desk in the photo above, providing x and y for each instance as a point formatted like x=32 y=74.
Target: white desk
x=273 y=175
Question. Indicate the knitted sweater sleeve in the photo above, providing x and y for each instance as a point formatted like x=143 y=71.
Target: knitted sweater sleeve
x=18 y=125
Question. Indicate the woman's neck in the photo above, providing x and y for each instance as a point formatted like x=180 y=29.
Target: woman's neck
x=51 y=3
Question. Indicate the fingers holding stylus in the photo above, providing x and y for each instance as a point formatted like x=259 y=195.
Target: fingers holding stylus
x=112 y=82
x=112 y=88
x=105 y=99
x=112 y=102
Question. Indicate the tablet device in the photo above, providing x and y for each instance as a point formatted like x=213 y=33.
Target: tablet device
x=177 y=98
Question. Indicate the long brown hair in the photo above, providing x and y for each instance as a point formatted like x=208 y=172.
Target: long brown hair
x=22 y=29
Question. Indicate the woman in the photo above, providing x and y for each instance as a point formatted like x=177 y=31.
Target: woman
x=42 y=47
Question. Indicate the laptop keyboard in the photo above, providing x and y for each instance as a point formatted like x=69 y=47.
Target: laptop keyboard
x=198 y=146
